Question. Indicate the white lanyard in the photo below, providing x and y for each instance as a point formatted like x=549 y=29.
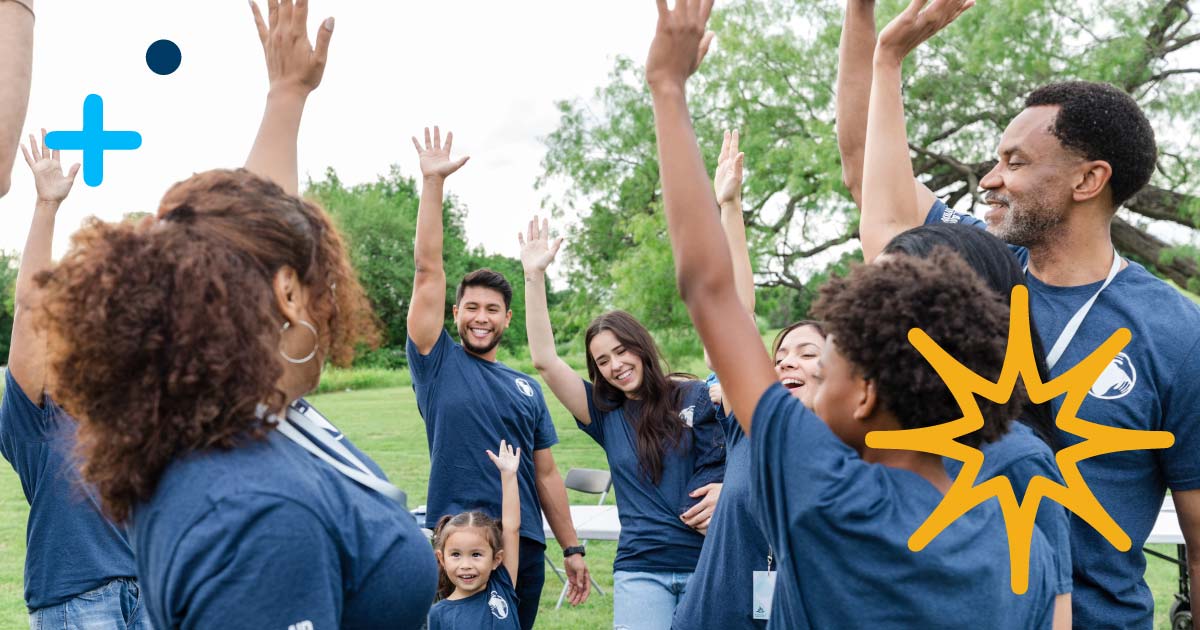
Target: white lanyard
x=360 y=473
x=1068 y=333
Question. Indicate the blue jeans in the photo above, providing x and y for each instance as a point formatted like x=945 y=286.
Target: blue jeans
x=114 y=606
x=646 y=601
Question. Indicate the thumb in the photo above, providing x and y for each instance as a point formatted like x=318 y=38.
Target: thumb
x=324 y=34
x=74 y=171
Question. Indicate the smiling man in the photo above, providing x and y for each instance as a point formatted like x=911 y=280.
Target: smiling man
x=470 y=401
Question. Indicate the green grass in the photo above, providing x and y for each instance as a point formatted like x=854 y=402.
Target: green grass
x=386 y=425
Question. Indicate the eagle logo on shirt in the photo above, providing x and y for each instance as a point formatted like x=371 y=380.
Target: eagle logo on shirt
x=498 y=605
x=1117 y=380
x=687 y=415
x=524 y=387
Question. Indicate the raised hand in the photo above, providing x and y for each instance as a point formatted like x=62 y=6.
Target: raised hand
x=292 y=62
x=680 y=42
x=435 y=156
x=727 y=181
x=537 y=252
x=916 y=25
x=508 y=461
x=52 y=185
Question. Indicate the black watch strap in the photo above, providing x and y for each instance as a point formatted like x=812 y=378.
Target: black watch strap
x=577 y=549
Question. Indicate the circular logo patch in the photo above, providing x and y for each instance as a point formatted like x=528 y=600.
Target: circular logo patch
x=1117 y=380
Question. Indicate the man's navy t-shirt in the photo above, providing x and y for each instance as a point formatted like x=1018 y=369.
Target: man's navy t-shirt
x=70 y=547
x=469 y=405
x=653 y=538
x=1020 y=456
x=266 y=535
x=840 y=528
x=1150 y=385
x=493 y=608
x=721 y=593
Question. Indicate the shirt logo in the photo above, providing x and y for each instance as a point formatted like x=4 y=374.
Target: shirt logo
x=525 y=388
x=302 y=625
x=498 y=605
x=1117 y=380
x=687 y=415
x=948 y=216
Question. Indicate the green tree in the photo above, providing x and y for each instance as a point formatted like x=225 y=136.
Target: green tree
x=772 y=75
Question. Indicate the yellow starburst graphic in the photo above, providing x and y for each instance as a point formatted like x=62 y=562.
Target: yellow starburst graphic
x=1019 y=517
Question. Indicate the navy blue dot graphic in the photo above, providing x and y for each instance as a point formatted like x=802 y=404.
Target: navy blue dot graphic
x=163 y=57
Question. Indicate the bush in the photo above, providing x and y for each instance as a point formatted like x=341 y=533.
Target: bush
x=335 y=379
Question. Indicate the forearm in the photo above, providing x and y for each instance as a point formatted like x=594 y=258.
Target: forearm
x=36 y=256
x=735 y=237
x=16 y=69
x=427 y=249
x=511 y=513
x=553 y=496
x=855 y=54
x=26 y=353
x=537 y=321
x=889 y=203
x=273 y=155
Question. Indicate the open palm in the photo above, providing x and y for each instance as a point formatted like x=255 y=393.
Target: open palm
x=509 y=460
x=52 y=184
x=435 y=156
x=727 y=181
x=537 y=251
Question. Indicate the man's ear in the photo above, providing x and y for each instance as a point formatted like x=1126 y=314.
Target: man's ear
x=508 y=318
x=1092 y=181
x=868 y=399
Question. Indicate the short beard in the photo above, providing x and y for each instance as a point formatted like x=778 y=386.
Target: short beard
x=465 y=335
x=1036 y=225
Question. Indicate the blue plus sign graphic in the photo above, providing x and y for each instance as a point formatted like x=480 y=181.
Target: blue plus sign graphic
x=93 y=140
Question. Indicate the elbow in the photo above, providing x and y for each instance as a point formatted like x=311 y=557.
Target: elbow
x=853 y=181
x=5 y=183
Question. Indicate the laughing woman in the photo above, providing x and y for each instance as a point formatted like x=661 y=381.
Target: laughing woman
x=660 y=436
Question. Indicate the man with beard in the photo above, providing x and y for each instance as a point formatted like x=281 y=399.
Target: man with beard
x=470 y=401
x=1066 y=163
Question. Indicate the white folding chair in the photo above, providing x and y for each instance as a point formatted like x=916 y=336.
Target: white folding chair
x=591 y=481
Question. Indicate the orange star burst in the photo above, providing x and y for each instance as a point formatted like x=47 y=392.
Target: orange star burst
x=1019 y=517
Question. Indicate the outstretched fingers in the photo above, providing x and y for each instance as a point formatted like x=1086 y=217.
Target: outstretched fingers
x=259 y=23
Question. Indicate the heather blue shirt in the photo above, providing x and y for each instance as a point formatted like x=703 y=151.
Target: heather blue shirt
x=840 y=529
x=70 y=547
x=1151 y=385
x=1020 y=456
x=266 y=535
x=493 y=608
x=653 y=538
x=469 y=405
x=720 y=593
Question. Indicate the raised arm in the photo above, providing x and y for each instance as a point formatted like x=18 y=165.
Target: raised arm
x=537 y=252
x=508 y=461
x=427 y=309
x=703 y=268
x=16 y=69
x=27 y=353
x=854 y=90
x=294 y=70
x=891 y=203
x=727 y=183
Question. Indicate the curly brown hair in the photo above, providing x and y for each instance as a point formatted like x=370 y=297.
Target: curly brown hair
x=163 y=336
x=870 y=312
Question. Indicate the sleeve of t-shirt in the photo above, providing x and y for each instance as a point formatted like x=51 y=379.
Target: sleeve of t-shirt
x=255 y=561
x=596 y=427
x=1181 y=416
x=22 y=418
x=941 y=213
x=425 y=367
x=708 y=442
x=1051 y=517
x=544 y=433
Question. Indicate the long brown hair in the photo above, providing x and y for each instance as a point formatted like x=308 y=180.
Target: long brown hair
x=493 y=531
x=656 y=422
x=163 y=336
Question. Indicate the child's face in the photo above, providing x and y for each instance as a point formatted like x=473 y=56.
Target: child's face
x=468 y=559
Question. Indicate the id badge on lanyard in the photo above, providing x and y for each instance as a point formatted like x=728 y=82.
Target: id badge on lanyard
x=764 y=591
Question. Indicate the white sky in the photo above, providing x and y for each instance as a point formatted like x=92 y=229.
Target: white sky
x=489 y=71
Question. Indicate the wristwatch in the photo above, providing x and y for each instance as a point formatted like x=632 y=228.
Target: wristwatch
x=577 y=549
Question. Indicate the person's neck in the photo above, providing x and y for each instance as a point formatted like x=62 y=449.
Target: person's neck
x=461 y=594
x=927 y=465
x=489 y=356
x=1079 y=253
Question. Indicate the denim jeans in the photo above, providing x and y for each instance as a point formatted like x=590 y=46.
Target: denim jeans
x=114 y=606
x=646 y=601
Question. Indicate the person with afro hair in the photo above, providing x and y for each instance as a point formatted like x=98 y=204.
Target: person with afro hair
x=1065 y=164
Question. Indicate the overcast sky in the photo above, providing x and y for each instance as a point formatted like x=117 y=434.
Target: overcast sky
x=490 y=71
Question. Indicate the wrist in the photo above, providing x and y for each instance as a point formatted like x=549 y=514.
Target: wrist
x=535 y=275
x=666 y=88
x=287 y=93
x=50 y=205
x=730 y=205
x=886 y=59
x=572 y=550
x=433 y=178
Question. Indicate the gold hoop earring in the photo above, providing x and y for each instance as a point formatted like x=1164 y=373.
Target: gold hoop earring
x=316 y=342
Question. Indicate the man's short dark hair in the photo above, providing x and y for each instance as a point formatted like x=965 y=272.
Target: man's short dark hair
x=1102 y=122
x=487 y=279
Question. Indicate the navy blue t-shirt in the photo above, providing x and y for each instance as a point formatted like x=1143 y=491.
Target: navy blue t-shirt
x=840 y=527
x=720 y=594
x=493 y=608
x=1150 y=385
x=1020 y=456
x=653 y=538
x=469 y=405
x=70 y=547
x=266 y=535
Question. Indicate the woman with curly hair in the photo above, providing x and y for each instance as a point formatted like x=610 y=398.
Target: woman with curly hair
x=184 y=346
x=837 y=512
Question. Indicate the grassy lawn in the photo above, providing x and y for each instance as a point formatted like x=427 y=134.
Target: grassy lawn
x=385 y=424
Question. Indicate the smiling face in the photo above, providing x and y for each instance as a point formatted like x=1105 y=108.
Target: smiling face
x=481 y=318
x=618 y=364
x=841 y=397
x=796 y=361
x=468 y=560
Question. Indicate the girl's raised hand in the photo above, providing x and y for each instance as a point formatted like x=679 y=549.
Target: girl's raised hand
x=509 y=460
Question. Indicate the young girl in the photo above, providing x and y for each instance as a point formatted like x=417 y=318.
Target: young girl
x=476 y=592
